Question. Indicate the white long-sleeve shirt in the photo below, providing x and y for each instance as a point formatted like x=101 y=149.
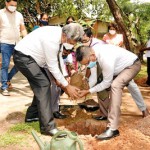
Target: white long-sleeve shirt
x=93 y=76
x=43 y=45
x=112 y=60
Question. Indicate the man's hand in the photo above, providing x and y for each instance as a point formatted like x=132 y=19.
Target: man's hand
x=72 y=72
x=83 y=93
x=68 y=79
x=72 y=91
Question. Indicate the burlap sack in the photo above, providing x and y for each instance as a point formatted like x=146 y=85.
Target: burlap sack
x=78 y=80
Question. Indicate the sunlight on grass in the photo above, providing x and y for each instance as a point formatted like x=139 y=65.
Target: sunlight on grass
x=25 y=127
x=10 y=139
x=18 y=134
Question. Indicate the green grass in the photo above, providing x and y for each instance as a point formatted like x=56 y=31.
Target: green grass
x=11 y=139
x=18 y=134
x=25 y=127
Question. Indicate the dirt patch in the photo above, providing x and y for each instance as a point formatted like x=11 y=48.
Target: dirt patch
x=4 y=126
x=141 y=81
x=144 y=126
x=15 y=117
x=134 y=130
x=133 y=136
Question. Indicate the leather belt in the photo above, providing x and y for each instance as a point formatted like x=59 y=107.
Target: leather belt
x=136 y=60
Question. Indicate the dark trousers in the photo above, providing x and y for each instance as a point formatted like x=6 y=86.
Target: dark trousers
x=148 y=71
x=55 y=92
x=40 y=85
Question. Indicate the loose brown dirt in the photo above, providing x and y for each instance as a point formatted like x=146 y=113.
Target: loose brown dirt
x=134 y=130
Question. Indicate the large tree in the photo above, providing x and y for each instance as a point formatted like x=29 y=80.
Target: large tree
x=132 y=18
x=122 y=22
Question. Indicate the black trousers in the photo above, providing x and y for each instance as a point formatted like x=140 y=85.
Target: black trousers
x=40 y=85
x=148 y=71
x=55 y=92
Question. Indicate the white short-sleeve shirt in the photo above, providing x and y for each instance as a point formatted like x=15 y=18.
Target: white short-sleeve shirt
x=10 y=26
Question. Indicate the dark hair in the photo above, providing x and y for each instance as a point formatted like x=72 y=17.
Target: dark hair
x=11 y=0
x=88 y=32
x=41 y=15
x=70 y=17
x=79 y=54
x=114 y=25
x=41 y=22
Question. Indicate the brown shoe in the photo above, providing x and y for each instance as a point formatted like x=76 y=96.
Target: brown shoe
x=9 y=85
x=145 y=113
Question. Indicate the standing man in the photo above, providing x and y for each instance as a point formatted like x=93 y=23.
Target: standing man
x=119 y=67
x=39 y=49
x=147 y=49
x=56 y=90
x=11 y=24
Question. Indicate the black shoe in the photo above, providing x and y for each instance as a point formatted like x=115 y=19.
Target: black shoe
x=148 y=83
x=58 y=115
x=53 y=132
x=108 y=134
x=145 y=113
x=31 y=119
x=100 y=118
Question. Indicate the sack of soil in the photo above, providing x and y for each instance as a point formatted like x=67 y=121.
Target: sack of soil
x=78 y=81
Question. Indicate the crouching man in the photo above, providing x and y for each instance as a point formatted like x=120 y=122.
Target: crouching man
x=119 y=67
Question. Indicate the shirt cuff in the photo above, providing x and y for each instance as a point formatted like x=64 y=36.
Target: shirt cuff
x=92 y=90
x=64 y=83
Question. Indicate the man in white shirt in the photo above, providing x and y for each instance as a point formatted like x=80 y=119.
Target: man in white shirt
x=147 y=49
x=11 y=25
x=88 y=40
x=56 y=90
x=38 y=49
x=119 y=67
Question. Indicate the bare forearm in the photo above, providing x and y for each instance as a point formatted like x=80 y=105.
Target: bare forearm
x=88 y=73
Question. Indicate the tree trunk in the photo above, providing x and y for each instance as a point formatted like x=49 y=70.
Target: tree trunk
x=120 y=20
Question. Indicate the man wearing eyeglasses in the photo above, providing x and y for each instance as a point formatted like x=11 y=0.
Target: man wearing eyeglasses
x=37 y=50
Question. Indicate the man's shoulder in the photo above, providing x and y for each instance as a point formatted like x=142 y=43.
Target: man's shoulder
x=19 y=13
x=2 y=10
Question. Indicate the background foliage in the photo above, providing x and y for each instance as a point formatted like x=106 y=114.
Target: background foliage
x=136 y=15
